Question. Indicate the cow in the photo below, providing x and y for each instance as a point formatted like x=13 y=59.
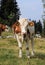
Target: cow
x=24 y=31
x=2 y=28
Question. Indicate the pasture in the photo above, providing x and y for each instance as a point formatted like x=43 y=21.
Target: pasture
x=9 y=52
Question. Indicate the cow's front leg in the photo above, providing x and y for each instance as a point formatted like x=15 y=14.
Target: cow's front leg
x=27 y=50
x=32 y=45
x=20 y=48
x=19 y=40
x=27 y=46
x=20 y=52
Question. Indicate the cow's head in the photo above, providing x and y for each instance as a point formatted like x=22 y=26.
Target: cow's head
x=23 y=24
x=3 y=27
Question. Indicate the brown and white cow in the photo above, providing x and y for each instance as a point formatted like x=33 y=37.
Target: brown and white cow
x=24 y=31
x=2 y=28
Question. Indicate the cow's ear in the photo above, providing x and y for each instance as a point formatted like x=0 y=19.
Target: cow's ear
x=31 y=23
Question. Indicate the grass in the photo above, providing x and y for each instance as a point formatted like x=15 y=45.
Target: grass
x=9 y=52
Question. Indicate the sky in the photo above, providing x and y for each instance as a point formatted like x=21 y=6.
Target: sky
x=31 y=9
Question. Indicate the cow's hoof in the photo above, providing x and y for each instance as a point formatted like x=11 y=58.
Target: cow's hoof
x=28 y=57
x=32 y=53
x=20 y=56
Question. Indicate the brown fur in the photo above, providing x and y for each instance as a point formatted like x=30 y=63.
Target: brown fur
x=16 y=27
x=2 y=28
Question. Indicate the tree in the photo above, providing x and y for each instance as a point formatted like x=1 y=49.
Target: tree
x=44 y=28
x=39 y=27
x=9 y=11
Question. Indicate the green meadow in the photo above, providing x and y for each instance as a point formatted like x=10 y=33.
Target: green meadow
x=9 y=52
